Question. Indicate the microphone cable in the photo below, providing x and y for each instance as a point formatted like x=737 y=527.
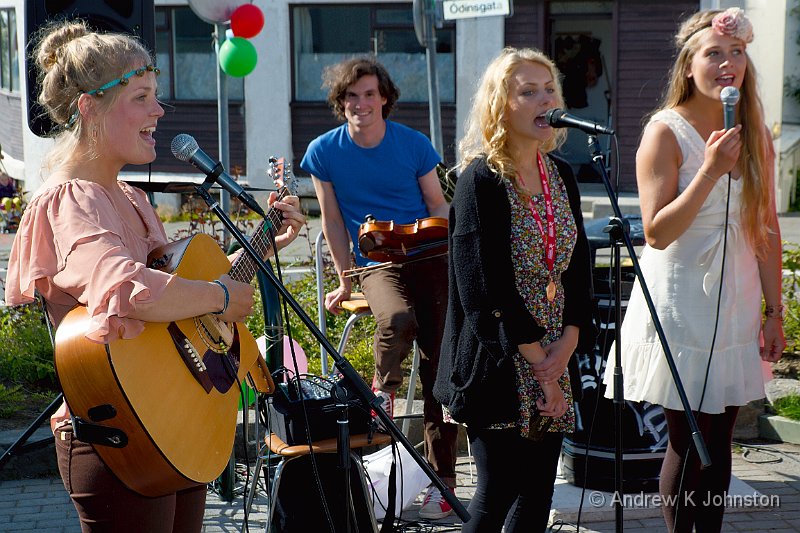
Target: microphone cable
x=312 y=455
x=713 y=342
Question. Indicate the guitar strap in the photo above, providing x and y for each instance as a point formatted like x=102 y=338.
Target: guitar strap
x=260 y=378
x=90 y=433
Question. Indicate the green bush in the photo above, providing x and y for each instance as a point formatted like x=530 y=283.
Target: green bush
x=10 y=400
x=359 y=347
x=26 y=354
x=27 y=375
x=358 y=351
x=788 y=406
x=791 y=283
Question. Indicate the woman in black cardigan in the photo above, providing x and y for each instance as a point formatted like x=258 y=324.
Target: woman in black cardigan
x=520 y=300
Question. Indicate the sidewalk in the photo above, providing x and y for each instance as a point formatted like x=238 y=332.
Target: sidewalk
x=768 y=500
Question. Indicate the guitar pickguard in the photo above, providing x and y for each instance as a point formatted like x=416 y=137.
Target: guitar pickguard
x=213 y=369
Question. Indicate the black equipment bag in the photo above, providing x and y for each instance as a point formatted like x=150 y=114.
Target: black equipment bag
x=299 y=508
x=286 y=410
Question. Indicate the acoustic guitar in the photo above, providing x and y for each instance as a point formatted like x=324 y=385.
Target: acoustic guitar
x=160 y=409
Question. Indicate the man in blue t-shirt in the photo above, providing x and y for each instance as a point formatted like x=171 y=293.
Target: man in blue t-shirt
x=372 y=166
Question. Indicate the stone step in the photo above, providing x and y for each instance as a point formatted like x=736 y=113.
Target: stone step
x=774 y=427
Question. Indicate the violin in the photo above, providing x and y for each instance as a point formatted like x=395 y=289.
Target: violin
x=385 y=241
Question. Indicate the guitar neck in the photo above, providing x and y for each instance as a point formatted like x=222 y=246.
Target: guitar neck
x=244 y=268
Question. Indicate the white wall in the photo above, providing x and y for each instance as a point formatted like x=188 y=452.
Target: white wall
x=478 y=41
x=268 y=93
x=768 y=54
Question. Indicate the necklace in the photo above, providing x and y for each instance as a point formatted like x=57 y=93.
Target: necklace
x=549 y=234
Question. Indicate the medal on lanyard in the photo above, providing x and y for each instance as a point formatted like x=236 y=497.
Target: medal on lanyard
x=548 y=235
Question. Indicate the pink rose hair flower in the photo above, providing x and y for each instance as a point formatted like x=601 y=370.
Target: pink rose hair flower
x=734 y=23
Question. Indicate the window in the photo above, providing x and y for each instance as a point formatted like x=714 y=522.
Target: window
x=185 y=54
x=581 y=44
x=9 y=56
x=385 y=30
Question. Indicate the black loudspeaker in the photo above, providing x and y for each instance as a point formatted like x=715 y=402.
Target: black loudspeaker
x=135 y=17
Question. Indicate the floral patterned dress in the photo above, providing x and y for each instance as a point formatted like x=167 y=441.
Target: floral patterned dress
x=531 y=276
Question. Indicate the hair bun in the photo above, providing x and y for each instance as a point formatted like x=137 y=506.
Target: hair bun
x=57 y=36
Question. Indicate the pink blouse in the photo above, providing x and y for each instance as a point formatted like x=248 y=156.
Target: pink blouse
x=74 y=248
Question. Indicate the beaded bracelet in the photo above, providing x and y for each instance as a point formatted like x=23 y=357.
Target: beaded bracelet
x=227 y=297
x=773 y=311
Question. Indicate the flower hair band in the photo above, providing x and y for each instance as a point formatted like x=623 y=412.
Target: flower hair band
x=733 y=23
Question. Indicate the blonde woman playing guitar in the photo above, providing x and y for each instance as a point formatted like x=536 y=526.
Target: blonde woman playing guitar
x=87 y=239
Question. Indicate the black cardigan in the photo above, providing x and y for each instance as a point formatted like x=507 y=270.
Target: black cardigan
x=486 y=316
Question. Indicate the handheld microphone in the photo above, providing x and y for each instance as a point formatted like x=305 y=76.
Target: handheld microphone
x=558 y=118
x=729 y=97
x=185 y=148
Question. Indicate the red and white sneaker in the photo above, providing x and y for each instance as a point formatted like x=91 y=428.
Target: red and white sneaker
x=434 y=506
x=387 y=400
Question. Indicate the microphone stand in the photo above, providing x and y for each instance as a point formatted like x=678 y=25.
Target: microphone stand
x=343 y=445
x=618 y=230
x=357 y=385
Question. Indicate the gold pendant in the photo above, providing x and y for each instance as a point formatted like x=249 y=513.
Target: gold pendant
x=551 y=291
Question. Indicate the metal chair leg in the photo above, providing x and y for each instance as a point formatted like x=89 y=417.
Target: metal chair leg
x=412 y=388
x=253 y=487
x=348 y=326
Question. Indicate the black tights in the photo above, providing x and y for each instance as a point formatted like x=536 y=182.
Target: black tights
x=512 y=470
x=700 y=485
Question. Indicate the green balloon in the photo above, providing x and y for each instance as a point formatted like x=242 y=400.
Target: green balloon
x=237 y=57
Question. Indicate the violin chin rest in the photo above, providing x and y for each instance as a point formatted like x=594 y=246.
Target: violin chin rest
x=366 y=243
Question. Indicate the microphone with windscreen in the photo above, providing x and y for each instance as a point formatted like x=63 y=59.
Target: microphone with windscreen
x=185 y=148
x=558 y=118
x=729 y=97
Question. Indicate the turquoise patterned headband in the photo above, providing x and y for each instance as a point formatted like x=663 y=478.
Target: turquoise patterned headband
x=124 y=79
x=100 y=91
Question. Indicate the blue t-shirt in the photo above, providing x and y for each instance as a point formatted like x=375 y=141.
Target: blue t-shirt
x=382 y=181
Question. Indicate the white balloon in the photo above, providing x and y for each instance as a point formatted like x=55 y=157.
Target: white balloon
x=215 y=11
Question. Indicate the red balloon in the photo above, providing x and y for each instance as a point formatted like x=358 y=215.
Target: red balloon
x=247 y=21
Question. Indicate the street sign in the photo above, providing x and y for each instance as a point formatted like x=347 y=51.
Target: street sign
x=464 y=9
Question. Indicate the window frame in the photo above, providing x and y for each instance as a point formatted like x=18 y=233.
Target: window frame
x=9 y=53
x=168 y=25
x=374 y=28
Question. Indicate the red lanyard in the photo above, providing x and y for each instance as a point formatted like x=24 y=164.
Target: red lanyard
x=548 y=236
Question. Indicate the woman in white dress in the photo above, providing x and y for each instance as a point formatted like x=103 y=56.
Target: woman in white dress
x=686 y=167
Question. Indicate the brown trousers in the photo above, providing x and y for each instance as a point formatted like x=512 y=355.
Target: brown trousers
x=410 y=302
x=105 y=505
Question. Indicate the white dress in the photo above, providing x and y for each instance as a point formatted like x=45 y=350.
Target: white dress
x=684 y=284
